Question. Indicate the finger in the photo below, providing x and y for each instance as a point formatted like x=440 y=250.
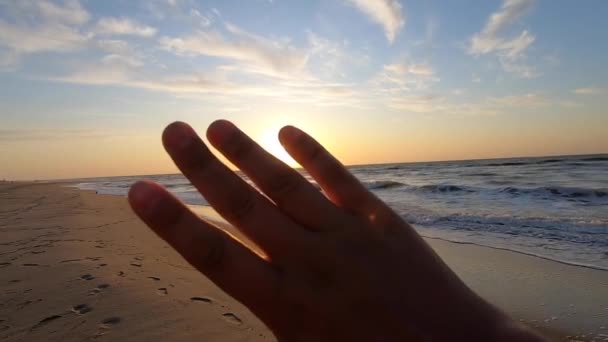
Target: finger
x=338 y=183
x=231 y=196
x=285 y=186
x=215 y=253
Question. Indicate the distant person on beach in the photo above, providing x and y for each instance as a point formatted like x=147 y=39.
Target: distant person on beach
x=339 y=266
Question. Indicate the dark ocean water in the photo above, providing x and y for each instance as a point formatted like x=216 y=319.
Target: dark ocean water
x=553 y=207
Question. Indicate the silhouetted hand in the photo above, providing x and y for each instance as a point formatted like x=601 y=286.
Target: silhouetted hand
x=337 y=267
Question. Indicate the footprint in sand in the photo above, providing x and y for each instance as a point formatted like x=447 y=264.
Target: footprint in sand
x=154 y=278
x=26 y=303
x=232 y=318
x=4 y=264
x=87 y=277
x=31 y=265
x=162 y=291
x=81 y=309
x=45 y=321
x=201 y=299
x=69 y=260
x=120 y=274
x=136 y=264
x=98 y=289
x=107 y=324
x=4 y=327
x=111 y=321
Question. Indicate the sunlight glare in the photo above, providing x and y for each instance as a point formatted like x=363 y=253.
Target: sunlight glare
x=269 y=140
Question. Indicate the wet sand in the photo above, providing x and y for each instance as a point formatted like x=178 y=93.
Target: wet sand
x=76 y=266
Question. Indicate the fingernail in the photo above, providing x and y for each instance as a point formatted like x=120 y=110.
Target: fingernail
x=220 y=130
x=179 y=135
x=144 y=196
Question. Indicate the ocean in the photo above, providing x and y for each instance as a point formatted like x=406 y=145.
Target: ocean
x=550 y=207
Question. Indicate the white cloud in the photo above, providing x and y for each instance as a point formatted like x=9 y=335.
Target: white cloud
x=9 y=60
x=416 y=104
x=403 y=69
x=114 y=46
x=39 y=26
x=11 y=135
x=450 y=105
x=125 y=71
x=591 y=91
x=404 y=77
x=525 y=100
x=124 y=26
x=47 y=37
x=510 y=50
x=333 y=59
x=255 y=53
x=182 y=12
x=519 y=69
x=71 y=13
x=491 y=39
x=131 y=61
x=387 y=13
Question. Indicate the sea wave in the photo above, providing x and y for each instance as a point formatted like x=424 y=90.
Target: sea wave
x=559 y=191
x=444 y=188
x=384 y=184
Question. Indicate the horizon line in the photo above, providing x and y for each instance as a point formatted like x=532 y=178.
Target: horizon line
x=301 y=168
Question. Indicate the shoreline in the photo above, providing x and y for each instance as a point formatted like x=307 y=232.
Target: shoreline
x=550 y=296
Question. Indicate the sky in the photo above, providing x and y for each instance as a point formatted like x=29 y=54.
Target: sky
x=86 y=87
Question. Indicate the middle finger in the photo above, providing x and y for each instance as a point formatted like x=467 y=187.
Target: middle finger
x=231 y=196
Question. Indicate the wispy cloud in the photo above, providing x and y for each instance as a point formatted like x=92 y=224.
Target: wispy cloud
x=258 y=54
x=524 y=100
x=405 y=77
x=121 y=71
x=124 y=26
x=591 y=91
x=40 y=26
x=11 y=135
x=70 y=13
x=388 y=13
x=333 y=59
x=417 y=104
x=510 y=50
x=50 y=37
x=493 y=105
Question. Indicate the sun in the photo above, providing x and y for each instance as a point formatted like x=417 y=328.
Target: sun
x=269 y=140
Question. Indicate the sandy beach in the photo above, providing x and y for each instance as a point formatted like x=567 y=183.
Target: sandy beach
x=76 y=266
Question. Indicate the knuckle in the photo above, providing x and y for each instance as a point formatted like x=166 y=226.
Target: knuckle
x=282 y=186
x=315 y=153
x=240 y=204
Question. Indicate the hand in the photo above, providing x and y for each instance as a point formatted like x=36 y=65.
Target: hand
x=339 y=266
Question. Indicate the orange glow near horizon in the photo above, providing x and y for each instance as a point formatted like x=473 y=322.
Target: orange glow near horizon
x=269 y=140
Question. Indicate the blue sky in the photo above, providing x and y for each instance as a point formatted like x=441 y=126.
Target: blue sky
x=476 y=74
